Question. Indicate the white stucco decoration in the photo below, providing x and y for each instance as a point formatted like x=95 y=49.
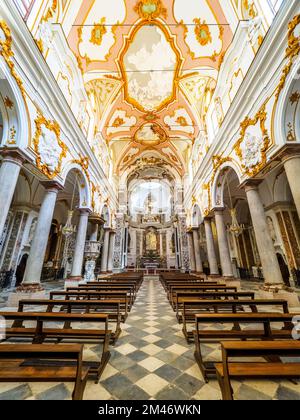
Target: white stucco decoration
x=49 y=148
x=251 y=149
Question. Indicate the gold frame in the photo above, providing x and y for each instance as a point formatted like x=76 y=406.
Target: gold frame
x=171 y=40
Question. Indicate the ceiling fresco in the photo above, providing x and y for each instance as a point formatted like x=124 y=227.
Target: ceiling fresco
x=150 y=68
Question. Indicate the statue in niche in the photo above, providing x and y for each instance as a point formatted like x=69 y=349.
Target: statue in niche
x=151 y=240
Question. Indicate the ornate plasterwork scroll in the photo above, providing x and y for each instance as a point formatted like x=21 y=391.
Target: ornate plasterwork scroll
x=252 y=146
x=292 y=51
x=49 y=147
x=7 y=53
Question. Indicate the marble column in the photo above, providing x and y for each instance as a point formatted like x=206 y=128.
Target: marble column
x=192 y=252
x=223 y=244
x=199 y=266
x=211 y=253
x=269 y=262
x=38 y=247
x=292 y=170
x=9 y=173
x=105 y=250
x=111 y=252
x=78 y=255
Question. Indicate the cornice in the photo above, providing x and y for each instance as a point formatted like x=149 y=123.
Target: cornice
x=43 y=89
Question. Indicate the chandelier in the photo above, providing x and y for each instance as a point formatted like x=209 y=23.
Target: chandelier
x=235 y=227
x=69 y=229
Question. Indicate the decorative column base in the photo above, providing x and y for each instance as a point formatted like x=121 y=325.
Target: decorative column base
x=89 y=274
x=279 y=291
x=30 y=288
x=26 y=291
x=72 y=281
x=231 y=281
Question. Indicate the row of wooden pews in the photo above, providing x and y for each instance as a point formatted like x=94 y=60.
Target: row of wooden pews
x=92 y=312
x=243 y=326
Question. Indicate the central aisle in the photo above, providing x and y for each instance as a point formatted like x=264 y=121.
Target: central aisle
x=151 y=358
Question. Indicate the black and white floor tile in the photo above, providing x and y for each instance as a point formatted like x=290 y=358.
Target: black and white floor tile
x=151 y=361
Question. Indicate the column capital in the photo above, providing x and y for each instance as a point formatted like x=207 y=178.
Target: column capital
x=289 y=151
x=251 y=184
x=96 y=219
x=14 y=155
x=218 y=210
x=52 y=186
x=84 y=211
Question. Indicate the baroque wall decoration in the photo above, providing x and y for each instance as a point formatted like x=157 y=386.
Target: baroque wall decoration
x=251 y=148
x=48 y=146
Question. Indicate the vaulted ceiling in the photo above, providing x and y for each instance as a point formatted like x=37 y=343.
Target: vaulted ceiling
x=150 y=68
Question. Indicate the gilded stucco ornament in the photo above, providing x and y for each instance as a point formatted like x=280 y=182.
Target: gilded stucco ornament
x=202 y=32
x=44 y=34
x=49 y=148
x=98 y=32
x=250 y=148
x=84 y=162
x=292 y=51
x=8 y=102
x=150 y=9
x=7 y=53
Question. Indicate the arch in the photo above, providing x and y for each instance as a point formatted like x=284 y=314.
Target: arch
x=217 y=190
x=15 y=118
x=82 y=183
x=197 y=217
x=281 y=129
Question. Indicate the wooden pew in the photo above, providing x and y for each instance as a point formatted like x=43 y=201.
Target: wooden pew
x=16 y=365
x=198 y=288
x=40 y=333
x=264 y=320
x=196 y=296
x=172 y=283
x=109 y=307
x=98 y=295
x=99 y=287
x=191 y=308
x=228 y=370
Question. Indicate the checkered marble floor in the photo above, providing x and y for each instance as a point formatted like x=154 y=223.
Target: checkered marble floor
x=152 y=361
